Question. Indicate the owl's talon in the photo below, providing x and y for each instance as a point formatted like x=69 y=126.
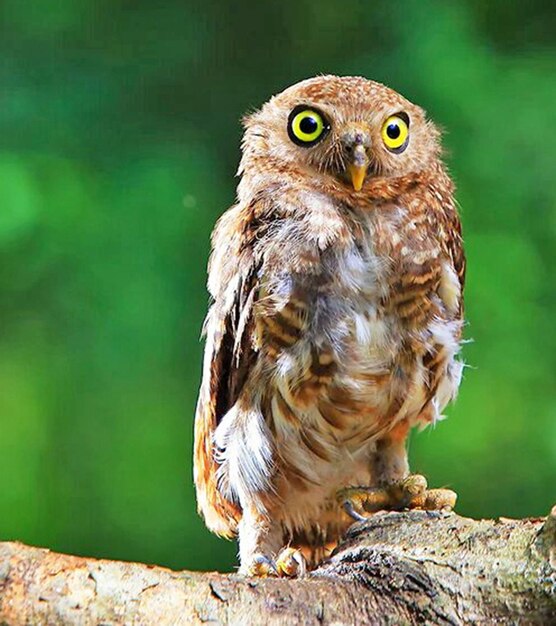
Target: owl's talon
x=350 y=510
x=261 y=566
x=291 y=563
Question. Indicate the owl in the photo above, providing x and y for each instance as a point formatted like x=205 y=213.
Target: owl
x=335 y=324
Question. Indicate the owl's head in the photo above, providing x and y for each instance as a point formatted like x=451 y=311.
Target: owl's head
x=348 y=128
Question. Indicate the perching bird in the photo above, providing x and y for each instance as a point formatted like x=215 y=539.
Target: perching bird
x=336 y=321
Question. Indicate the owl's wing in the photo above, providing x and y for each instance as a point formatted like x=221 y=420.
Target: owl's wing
x=454 y=245
x=453 y=277
x=229 y=355
x=439 y=362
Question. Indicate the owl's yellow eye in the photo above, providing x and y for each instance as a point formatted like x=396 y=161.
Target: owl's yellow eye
x=395 y=133
x=306 y=126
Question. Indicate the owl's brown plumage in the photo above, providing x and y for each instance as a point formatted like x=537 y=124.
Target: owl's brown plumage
x=337 y=283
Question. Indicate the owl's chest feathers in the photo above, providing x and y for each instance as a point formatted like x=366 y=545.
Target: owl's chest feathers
x=356 y=271
x=349 y=328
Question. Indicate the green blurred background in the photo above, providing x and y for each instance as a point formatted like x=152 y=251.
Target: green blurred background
x=120 y=140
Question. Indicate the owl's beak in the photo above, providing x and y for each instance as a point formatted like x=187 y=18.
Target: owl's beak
x=357 y=168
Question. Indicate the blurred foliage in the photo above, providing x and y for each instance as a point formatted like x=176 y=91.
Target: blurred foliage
x=120 y=137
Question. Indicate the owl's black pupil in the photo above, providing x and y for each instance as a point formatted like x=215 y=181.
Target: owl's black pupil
x=393 y=131
x=308 y=125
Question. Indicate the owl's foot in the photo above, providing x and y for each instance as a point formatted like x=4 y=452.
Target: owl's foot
x=409 y=493
x=260 y=566
x=290 y=563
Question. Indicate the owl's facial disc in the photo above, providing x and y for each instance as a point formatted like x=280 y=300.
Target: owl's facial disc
x=357 y=142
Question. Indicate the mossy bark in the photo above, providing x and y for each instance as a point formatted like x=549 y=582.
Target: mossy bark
x=396 y=568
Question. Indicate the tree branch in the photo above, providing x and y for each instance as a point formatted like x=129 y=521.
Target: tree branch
x=396 y=568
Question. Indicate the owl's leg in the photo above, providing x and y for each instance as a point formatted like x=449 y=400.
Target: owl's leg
x=395 y=488
x=259 y=541
x=262 y=551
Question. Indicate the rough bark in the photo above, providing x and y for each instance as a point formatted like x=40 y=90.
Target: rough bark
x=396 y=568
